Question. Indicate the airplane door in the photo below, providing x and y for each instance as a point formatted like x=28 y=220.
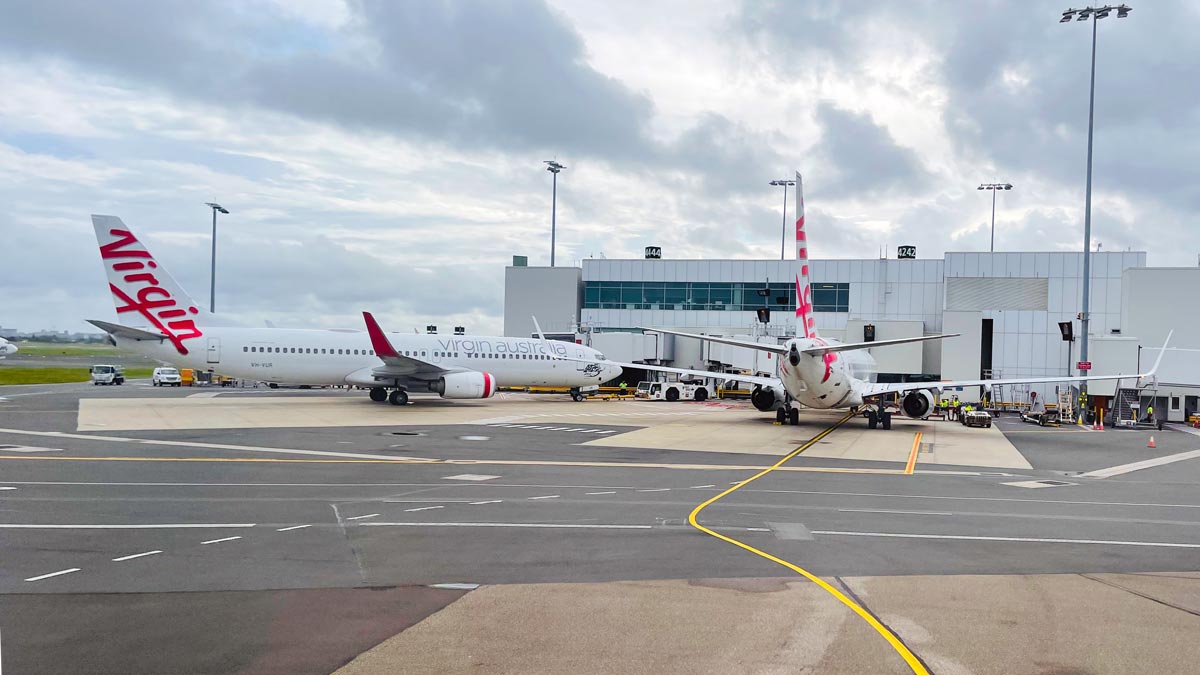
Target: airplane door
x=214 y=350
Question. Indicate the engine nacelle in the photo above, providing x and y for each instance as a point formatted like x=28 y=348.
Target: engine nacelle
x=465 y=385
x=768 y=399
x=917 y=404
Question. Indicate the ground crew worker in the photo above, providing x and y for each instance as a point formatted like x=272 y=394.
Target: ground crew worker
x=623 y=387
x=956 y=406
x=1150 y=413
x=966 y=409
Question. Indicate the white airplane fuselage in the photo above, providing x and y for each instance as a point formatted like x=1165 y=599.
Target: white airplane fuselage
x=336 y=357
x=823 y=381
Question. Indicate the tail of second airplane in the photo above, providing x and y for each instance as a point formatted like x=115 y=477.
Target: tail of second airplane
x=806 y=323
x=145 y=294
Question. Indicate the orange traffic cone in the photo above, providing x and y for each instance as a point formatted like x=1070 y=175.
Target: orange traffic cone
x=1151 y=445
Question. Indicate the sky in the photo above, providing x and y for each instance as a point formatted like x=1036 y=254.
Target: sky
x=387 y=156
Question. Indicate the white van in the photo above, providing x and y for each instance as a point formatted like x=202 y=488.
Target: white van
x=164 y=377
x=105 y=374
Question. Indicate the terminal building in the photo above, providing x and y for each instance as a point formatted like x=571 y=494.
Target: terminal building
x=1006 y=307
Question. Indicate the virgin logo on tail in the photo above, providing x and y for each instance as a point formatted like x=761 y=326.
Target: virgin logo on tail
x=148 y=298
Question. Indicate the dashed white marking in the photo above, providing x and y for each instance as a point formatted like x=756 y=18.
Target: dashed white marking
x=700 y=487
x=611 y=492
x=53 y=574
x=1034 y=540
x=135 y=555
x=545 y=497
x=217 y=541
x=471 y=477
x=909 y=513
x=157 y=526
x=370 y=515
x=345 y=442
x=758 y=529
x=474 y=438
x=656 y=490
x=7 y=487
x=456 y=587
x=489 y=501
x=29 y=448
x=606 y=431
x=423 y=508
x=567 y=526
x=293 y=527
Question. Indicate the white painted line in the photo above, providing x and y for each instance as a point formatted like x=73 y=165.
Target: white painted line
x=656 y=490
x=545 y=497
x=567 y=526
x=53 y=574
x=574 y=429
x=489 y=501
x=456 y=587
x=293 y=527
x=758 y=529
x=907 y=513
x=156 y=526
x=611 y=492
x=978 y=499
x=591 y=431
x=423 y=508
x=474 y=438
x=701 y=487
x=374 y=515
x=607 y=431
x=557 y=428
x=1034 y=484
x=7 y=487
x=1034 y=540
x=28 y=448
x=217 y=541
x=135 y=555
x=470 y=476
x=1144 y=464
x=207 y=446
x=539 y=427
x=345 y=442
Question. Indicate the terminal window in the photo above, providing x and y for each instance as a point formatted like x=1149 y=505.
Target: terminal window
x=737 y=296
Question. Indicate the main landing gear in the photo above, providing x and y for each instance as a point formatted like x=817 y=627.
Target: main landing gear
x=879 y=417
x=788 y=415
x=397 y=397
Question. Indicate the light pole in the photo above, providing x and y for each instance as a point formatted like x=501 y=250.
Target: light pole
x=783 y=235
x=212 y=272
x=1095 y=14
x=553 y=167
x=993 y=187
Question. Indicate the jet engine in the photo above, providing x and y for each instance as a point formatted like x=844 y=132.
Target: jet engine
x=768 y=399
x=917 y=404
x=465 y=385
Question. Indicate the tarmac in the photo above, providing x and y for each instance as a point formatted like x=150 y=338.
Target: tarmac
x=209 y=531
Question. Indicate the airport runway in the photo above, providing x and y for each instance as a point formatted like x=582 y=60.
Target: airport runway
x=296 y=549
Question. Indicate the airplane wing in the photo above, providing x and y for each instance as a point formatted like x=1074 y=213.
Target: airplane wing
x=753 y=379
x=876 y=389
x=395 y=364
x=851 y=346
x=775 y=349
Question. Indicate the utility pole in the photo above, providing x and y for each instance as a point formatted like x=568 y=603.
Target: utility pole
x=783 y=234
x=212 y=272
x=553 y=167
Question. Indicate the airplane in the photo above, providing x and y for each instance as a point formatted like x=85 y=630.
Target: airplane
x=826 y=374
x=159 y=320
x=7 y=348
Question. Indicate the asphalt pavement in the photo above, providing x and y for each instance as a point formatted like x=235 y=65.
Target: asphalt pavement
x=296 y=550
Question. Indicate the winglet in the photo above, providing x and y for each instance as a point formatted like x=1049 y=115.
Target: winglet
x=379 y=341
x=542 y=337
x=1160 y=355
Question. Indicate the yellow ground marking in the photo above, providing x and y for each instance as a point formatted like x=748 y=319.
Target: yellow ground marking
x=624 y=465
x=913 y=662
x=912 y=456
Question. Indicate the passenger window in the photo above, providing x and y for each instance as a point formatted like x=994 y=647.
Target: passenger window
x=372 y=352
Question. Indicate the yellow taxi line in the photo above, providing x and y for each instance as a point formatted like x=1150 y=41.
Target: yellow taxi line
x=913 y=662
x=912 y=456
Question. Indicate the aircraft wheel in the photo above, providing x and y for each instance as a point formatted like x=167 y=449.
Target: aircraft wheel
x=885 y=420
x=872 y=419
x=577 y=396
x=781 y=415
x=794 y=417
x=701 y=394
x=398 y=397
x=378 y=394
x=673 y=394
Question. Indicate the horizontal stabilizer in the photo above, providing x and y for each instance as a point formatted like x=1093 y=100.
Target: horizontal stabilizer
x=851 y=346
x=117 y=330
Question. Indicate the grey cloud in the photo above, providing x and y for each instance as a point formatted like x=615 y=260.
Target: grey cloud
x=859 y=157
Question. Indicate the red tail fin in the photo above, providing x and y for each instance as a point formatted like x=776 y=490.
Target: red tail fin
x=806 y=323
